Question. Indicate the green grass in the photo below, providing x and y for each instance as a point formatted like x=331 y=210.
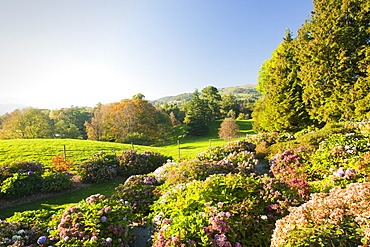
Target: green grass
x=43 y=150
x=63 y=200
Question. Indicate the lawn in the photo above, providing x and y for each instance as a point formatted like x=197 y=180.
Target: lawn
x=43 y=150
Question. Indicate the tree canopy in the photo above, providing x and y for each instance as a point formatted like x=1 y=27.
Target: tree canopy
x=322 y=75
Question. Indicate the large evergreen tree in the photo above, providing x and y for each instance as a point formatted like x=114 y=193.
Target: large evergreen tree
x=198 y=115
x=281 y=107
x=334 y=60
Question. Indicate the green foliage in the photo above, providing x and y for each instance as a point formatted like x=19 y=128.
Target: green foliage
x=28 y=123
x=99 y=168
x=338 y=151
x=138 y=193
x=70 y=122
x=237 y=207
x=56 y=182
x=133 y=163
x=38 y=219
x=21 y=184
x=281 y=108
x=333 y=57
x=198 y=116
x=95 y=221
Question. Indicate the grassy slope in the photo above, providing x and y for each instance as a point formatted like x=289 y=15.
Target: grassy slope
x=43 y=150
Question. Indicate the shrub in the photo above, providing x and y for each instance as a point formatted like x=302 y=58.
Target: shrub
x=95 y=221
x=101 y=167
x=137 y=192
x=340 y=218
x=60 y=165
x=133 y=163
x=19 y=234
x=336 y=152
x=56 y=182
x=289 y=168
x=220 y=152
x=192 y=170
x=24 y=167
x=224 y=209
x=21 y=184
x=36 y=219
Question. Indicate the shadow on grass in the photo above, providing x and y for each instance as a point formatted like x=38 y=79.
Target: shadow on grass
x=64 y=200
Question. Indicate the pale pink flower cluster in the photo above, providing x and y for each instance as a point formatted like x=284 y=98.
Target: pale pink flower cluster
x=94 y=198
x=324 y=209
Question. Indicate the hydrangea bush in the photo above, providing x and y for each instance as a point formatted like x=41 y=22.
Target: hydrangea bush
x=338 y=218
x=223 y=210
x=220 y=152
x=99 y=168
x=138 y=193
x=96 y=221
x=338 y=151
x=133 y=163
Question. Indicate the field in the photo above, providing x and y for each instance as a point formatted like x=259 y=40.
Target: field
x=43 y=150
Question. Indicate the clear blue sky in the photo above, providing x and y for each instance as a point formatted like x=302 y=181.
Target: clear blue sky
x=56 y=54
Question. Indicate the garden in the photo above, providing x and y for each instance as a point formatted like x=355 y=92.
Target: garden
x=316 y=193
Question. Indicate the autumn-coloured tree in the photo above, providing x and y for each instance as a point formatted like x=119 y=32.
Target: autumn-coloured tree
x=139 y=116
x=98 y=127
x=228 y=129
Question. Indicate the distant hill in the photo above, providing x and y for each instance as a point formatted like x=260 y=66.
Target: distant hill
x=240 y=92
x=8 y=108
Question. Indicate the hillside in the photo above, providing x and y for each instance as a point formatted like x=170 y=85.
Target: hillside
x=240 y=92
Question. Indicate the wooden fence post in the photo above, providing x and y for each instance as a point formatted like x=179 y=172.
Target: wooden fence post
x=64 y=153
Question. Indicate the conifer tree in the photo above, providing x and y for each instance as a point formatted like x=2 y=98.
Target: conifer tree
x=281 y=107
x=197 y=116
x=334 y=60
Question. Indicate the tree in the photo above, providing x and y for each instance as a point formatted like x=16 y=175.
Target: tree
x=213 y=98
x=334 y=60
x=70 y=122
x=29 y=123
x=228 y=104
x=281 y=107
x=139 y=116
x=228 y=129
x=98 y=128
x=198 y=115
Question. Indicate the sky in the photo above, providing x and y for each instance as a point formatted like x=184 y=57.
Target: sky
x=56 y=54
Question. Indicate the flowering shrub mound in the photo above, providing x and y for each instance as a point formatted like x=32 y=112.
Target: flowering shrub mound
x=175 y=173
x=137 y=192
x=220 y=152
x=56 y=182
x=21 y=184
x=223 y=210
x=338 y=151
x=289 y=168
x=19 y=234
x=94 y=222
x=101 y=167
x=340 y=218
x=133 y=163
